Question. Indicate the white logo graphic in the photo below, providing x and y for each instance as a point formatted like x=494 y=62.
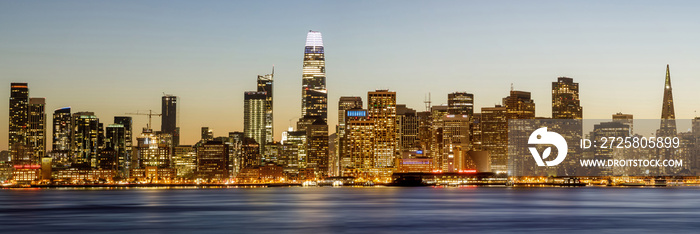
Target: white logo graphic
x=542 y=136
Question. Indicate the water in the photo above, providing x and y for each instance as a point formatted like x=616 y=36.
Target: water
x=353 y=210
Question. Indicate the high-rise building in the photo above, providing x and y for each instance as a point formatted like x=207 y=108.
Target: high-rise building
x=407 y=124
x=494 y=136
x=184 y=160
x=168 y=122
x=85 y=139
x=627 y=119
x=317 y=147
x=436 y=127
x=254 y=117
x=460 y=103
x=359 y=141
x=314 y=95
x=250 y=153
x=475 y=132
x=265 y=85
x=36 y=133
x=667 y=126
x=519 y=105
x=381 y=106
x=19 y=110
x=152 y=151
x=212 y=161
x=455 y=139
x=604 y=130
x=207 y=134
x=294 y=149
x=115 y=140
x=425 y=131
x=61 y=130
x=668 y=114
x=344 y=104
x=127 y=122
x=565 y=99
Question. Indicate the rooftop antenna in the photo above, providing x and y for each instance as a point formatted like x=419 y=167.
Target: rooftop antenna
x=290 y=121
x=427 y=103
x=511 y=87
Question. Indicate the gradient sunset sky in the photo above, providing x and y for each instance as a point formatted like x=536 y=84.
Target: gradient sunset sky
x=120 y=56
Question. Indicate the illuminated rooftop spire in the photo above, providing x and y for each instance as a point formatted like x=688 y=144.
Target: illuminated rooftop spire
x=667 y=110
x=314 y=38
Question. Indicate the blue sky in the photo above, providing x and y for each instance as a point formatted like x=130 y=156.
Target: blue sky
x=118 y=57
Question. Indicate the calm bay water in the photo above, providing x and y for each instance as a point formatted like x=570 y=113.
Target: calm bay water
x=353 y=210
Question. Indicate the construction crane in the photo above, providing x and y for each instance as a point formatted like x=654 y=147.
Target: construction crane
x=150 y=115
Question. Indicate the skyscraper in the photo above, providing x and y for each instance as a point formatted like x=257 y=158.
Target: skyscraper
x=36 y=133
x=460 y=103
x=565 y=99
x=61 y=129
x=668 y=115
x=314 y=95
x=115 y=135
x=627 y=119
x=519 y=105
x=254 y=117
x=358 y=142
x=407 y=124
x=85 y=139
x=344 y=104
x=317 y=147
x=168 y=122
x=152 y=151
x=494 y=136
x=212 y=161
x=455 y=138
x=265 y=85
x=381 y=105
x=19 y=109
x=127 y=122
x=667 y=126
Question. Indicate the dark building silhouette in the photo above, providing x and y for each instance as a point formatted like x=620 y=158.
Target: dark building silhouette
x=168 y=122
x=115 y=141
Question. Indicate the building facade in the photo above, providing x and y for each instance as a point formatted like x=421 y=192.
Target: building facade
x=381 y=108
x=565 y=99
x=168 y=122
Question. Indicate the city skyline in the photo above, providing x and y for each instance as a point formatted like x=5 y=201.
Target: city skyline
x=604 y=90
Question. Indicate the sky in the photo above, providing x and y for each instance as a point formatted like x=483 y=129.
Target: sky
x=114 y=57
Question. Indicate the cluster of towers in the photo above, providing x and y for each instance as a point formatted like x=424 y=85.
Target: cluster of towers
x=373 y=139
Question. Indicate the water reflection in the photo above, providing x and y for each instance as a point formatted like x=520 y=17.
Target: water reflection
x=321 y=210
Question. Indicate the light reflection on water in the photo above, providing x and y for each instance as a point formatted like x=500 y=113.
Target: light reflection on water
x=367 y=210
